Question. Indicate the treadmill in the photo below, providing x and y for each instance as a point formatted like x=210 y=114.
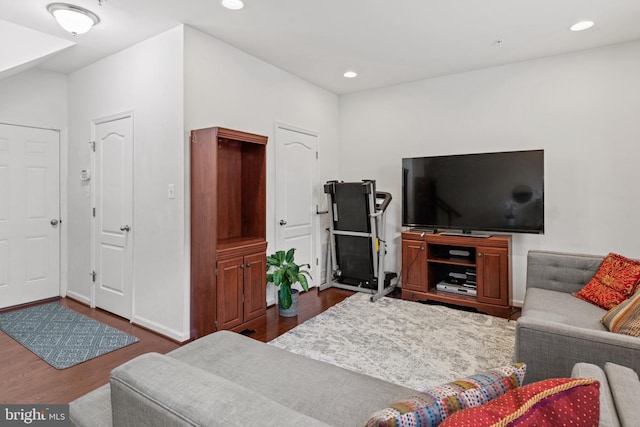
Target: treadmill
x=357 y=243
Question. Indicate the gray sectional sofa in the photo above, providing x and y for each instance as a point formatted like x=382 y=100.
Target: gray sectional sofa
x=226 y=379
x=557 y=330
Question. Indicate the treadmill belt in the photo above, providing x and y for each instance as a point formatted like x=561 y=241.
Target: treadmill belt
x=354 y=257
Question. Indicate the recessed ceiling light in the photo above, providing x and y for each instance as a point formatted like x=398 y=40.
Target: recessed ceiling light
x=582 y=25
x=232 y=4
x=74 y=19
x=350 y=74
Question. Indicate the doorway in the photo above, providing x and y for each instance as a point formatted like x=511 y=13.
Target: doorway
x=296 y=199
x=113 y=214
x=29 y=214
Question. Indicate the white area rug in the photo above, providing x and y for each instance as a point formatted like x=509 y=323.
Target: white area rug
x=403 y=342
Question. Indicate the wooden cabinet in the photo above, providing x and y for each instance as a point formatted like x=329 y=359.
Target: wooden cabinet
x=230 y=291
x=228 y=230
x=492 y=267
x=414 y=265
x=241 y=286
x=432 y=259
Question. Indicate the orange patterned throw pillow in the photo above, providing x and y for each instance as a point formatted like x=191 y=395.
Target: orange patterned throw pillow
x=615 y=280
x=624 y=318
x=549 y=403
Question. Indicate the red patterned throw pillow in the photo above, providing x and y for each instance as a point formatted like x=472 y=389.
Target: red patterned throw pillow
x=549 y=403
x=615 y=280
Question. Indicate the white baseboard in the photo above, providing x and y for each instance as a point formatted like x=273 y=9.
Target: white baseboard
x=161 y=329
x=79 y=297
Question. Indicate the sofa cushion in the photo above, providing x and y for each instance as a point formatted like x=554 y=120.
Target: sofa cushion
x=624 y=318
x=434 y=404
x=560 y=271
x=562 y=308
x=156 y=390
x=615 y=280
x=608 y=415
x=625 y=388
x=292 y=380
x=553 y=402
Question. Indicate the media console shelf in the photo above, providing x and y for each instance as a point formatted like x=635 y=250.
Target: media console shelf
x=430 y=259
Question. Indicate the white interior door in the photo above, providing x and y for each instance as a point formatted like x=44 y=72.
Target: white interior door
x=296 y=182
x=113 y=253
x=29 y=214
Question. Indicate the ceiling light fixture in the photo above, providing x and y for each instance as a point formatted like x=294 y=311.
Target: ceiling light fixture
x=350 y=74
x=232 y=4
x=74 y=19
x=582 y=25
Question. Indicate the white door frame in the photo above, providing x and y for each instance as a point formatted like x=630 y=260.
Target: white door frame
x=316 y=177
x=94 y=123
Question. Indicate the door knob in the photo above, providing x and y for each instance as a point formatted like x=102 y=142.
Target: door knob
x=54 y=222
x=125 y=228
x=283 y=222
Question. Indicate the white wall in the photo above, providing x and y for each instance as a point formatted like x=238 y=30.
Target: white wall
x=34 y=98
x=227 y=87
x=175 y=82
x=581 y=108
x=148 y=80
x=38 y=98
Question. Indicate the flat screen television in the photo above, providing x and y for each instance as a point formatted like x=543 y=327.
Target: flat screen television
x=488 y=192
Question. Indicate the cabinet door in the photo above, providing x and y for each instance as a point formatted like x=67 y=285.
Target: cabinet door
x=230 y=279
x=255 y=286
x=492 y=275
x=414 y=265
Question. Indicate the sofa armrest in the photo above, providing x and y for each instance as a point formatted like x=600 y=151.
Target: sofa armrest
x=625 y=387
x=608 y=414
x=550 y=349
x=156 y=390
x=93 y=409
x=558 y=271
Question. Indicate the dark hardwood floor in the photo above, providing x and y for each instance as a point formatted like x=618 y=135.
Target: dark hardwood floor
x=311 y=303
x=26 y=379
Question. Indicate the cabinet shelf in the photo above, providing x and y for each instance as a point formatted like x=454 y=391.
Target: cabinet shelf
x=224 y=244
x=430 y=259
x=451 y=261
x=450 y=296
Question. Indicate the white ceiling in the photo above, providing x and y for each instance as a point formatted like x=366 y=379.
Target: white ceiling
x=386 y=42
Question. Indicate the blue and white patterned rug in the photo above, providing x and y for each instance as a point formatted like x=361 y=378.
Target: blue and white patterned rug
x=60 y=336
x=408 y=343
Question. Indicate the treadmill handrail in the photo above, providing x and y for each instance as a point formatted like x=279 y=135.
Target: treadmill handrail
x=385 y=202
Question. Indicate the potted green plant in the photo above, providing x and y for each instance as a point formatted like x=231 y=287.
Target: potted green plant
x=283 y=272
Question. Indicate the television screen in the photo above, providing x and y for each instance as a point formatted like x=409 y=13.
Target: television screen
x=488 y=191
